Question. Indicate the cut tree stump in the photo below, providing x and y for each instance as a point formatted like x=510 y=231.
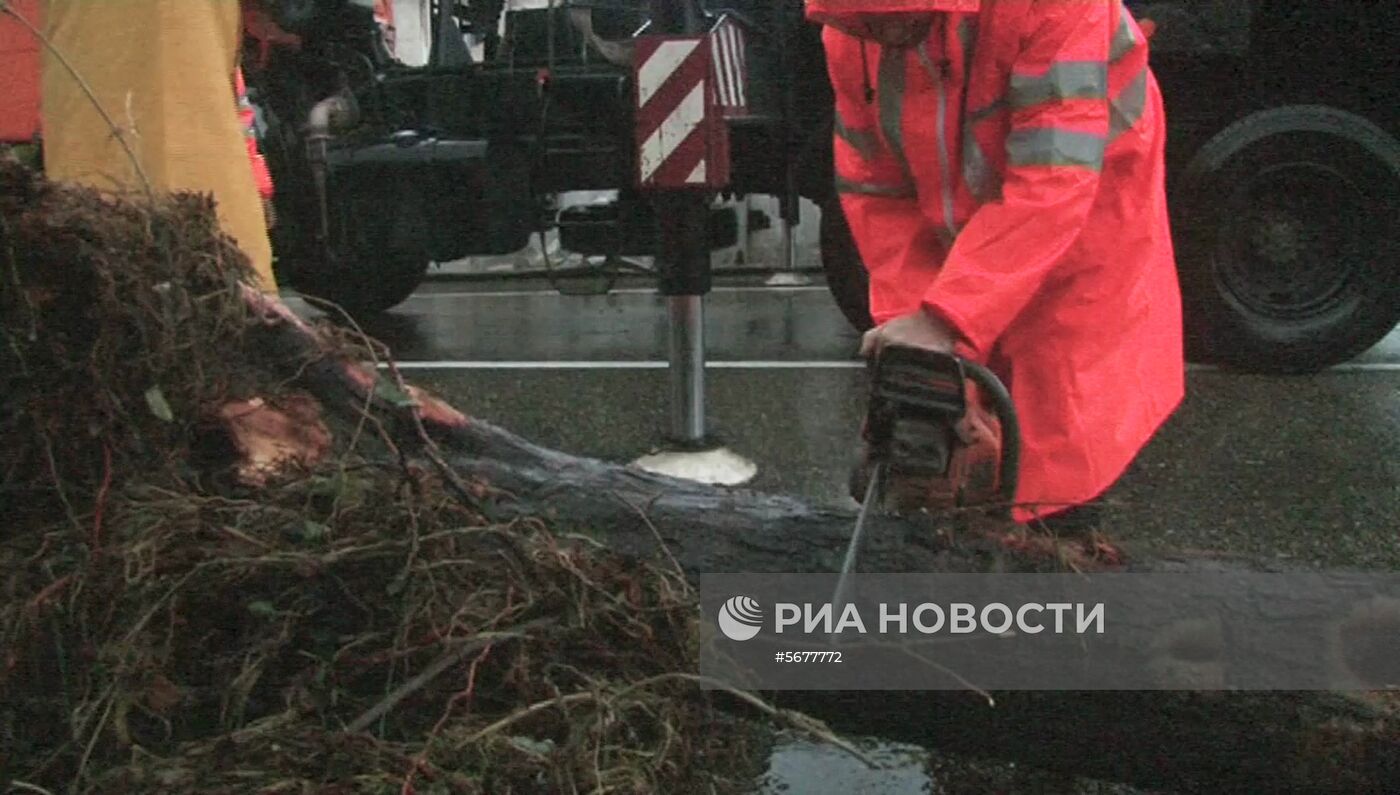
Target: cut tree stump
x=1195 y=741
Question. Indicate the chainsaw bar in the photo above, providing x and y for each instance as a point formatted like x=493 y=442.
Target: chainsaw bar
x=871 y=492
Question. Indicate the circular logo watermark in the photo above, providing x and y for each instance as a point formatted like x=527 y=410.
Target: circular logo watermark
x=740 y=618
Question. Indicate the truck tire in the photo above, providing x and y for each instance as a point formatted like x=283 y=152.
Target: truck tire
x=846 y=276
x=363 y=288
x=1288 y=240
x=379 y=253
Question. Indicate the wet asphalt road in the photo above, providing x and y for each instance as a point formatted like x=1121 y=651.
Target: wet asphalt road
x=1304 y=467
x=1299 y=467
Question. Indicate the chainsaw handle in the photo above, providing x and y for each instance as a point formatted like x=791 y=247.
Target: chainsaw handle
x=1010 y=425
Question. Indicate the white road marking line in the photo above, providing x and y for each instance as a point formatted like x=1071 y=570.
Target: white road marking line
x=622 y=291
x=760 y=364
x=1367 y=367
x=643 y=364
x=1348 y=367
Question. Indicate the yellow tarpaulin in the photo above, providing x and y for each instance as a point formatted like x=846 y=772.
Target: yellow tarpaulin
x=163 y=70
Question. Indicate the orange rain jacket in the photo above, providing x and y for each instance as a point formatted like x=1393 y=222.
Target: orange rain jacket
x=1006 y=173
x=19 y=73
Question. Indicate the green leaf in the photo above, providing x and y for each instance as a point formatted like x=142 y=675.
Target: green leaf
x=262 y=608
x=321 y=486
x=314 y=531
x=385 y=390
x=28 y=154
x=155 y=401
x=533 y=746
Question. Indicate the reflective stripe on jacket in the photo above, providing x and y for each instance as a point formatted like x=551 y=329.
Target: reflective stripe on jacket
x=1007 y=174
x=247 y=118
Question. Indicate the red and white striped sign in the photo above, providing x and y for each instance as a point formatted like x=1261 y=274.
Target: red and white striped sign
x=727 y=52
x=682 y=138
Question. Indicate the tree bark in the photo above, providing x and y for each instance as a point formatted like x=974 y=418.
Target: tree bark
x=1184 y=740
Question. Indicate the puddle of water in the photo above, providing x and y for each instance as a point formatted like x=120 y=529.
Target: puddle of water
x=799 y=767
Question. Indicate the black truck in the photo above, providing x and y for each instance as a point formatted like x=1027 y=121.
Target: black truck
x=1284 y=153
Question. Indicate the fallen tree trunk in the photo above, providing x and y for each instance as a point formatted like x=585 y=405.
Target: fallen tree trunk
x=1192 y=741
x=208 y=588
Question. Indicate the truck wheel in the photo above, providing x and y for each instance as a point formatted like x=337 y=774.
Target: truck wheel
x=379 y=253
x=362 y=288
x=1289 y=240
x=846 y=277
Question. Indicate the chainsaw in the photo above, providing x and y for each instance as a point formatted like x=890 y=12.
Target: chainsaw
x=940 y=433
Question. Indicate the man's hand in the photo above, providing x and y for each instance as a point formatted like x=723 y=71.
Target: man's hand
x=920 y=329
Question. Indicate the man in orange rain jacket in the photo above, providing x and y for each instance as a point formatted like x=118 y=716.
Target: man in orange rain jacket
x=1000 y=163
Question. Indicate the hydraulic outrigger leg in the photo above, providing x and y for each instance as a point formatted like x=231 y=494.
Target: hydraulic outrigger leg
x=681 y=191
x=687 y=368
x=685 y=279
x=684 y=265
